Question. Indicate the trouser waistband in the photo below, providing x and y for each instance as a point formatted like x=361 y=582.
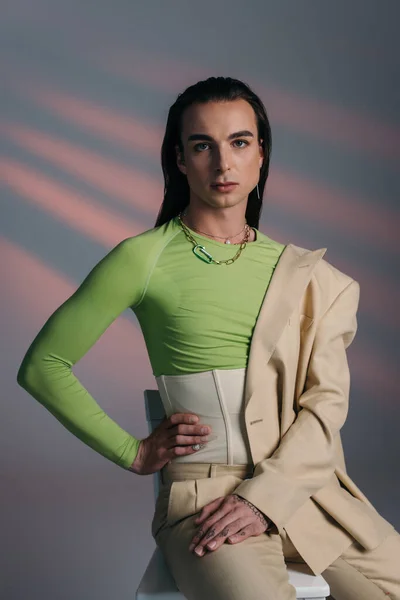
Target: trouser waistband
x=182 y=471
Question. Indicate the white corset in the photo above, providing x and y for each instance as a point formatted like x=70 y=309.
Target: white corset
x=217 y=398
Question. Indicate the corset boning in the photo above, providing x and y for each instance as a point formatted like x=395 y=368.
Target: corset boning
x=217 y=398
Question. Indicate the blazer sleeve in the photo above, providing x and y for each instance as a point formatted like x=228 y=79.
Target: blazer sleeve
x=305 y=458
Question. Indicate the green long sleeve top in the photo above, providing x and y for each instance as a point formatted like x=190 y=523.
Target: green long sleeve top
x=194 y=317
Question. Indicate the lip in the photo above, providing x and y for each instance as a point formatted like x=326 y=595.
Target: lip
x=225 y=187
x=218 y=183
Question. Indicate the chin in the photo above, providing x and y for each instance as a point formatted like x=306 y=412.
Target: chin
x=218 y=200
x=224 y=203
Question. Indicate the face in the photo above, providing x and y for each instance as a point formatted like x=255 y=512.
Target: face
x=220 y=143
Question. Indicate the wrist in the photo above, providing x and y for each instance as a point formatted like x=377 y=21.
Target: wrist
x=137 y=461
x=266 y=521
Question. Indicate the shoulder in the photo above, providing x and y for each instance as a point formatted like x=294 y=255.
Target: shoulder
x=264 y=240
x=328 y=281
x=125 y=269
x=133 y=258
x=145 y=245
x=325 y=271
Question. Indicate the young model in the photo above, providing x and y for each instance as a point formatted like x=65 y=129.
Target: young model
x=247 y=339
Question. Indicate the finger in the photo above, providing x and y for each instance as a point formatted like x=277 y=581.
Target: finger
x=184 y=429
x=177 y=418
x=208 y=509
x=182 y=451
x=188 y=440
x=235 y=532
x=199 y=542
x=185 y=440
x=218 y=533
x=213 y=525
x=217 y=516
x=242 y=534
x=219 y=507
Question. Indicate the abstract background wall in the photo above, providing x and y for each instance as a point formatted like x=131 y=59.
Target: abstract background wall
x=85 y=92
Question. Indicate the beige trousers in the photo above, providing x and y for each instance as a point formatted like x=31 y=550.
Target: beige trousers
x=255 y=569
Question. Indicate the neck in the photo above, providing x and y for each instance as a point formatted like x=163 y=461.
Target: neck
x=217 y=224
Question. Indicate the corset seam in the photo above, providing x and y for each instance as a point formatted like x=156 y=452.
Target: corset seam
x=225 y=414
x=165 y=389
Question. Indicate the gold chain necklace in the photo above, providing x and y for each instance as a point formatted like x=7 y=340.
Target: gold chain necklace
x=200 y=251
x=220 y=237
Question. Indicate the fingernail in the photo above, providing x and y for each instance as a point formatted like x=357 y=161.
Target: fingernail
x=212 y=544
x=191 y=547
x=199 y=551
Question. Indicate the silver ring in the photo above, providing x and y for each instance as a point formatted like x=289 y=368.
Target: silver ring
x=197 y=446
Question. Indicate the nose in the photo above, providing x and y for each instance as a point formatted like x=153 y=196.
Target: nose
x=222 y=160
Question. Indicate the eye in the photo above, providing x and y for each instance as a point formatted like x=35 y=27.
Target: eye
x=196 y=147
x=245 y=142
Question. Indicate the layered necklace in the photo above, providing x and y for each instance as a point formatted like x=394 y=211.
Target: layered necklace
x=201 y=252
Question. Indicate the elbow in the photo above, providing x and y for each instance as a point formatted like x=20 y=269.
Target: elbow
x=27 y=375
x=40 y=372
x=22 y=376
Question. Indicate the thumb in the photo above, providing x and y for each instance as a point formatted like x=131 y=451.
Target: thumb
x=209 y=508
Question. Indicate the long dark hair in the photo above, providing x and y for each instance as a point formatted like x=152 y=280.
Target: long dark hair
x=176 y=187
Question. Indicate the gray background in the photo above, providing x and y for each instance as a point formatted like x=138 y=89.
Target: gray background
x=85 y=92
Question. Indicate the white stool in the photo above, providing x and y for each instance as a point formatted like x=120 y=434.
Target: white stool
x=157 y=582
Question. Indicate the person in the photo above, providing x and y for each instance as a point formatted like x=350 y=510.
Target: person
x=247 y=339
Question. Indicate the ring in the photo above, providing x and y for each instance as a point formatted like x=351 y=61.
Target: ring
x=196 y=446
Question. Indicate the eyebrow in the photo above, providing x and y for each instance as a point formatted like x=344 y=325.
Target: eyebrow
x=203 y=136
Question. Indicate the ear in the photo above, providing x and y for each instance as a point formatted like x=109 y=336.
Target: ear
x=180 y=160
x=261 y=150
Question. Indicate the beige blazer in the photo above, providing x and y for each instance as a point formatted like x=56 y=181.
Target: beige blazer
x=296 y=401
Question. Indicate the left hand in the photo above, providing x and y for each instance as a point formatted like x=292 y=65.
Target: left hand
x=228 y=518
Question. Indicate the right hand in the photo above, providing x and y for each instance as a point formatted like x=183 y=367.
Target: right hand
x=173 y=437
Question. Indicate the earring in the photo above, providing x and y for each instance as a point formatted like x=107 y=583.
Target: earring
x=258 y=192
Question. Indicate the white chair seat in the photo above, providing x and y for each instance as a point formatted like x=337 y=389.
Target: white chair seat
x=158 y=584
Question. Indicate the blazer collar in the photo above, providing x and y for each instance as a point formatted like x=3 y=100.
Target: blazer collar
x=288 y=283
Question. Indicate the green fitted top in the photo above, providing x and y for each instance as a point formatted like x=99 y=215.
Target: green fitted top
x=194 y=317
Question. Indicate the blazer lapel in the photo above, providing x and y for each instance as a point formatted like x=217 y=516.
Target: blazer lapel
x=288 y=283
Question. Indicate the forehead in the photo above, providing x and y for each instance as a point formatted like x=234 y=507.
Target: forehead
x=218 y=118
